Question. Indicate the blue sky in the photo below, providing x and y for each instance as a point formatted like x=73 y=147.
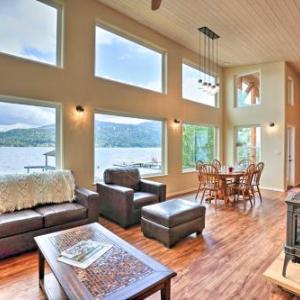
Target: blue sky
x=24 y=116
x=120 y=59
x=28 y=29
x=190 y=86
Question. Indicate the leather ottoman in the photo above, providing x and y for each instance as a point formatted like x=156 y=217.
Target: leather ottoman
x=172 y=220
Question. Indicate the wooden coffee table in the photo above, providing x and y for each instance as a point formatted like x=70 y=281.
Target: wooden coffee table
x=123 y=272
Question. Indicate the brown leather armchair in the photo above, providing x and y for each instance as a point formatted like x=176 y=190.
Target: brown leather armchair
x=124 y=193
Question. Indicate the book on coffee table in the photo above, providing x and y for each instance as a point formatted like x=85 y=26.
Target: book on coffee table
x=84 y=253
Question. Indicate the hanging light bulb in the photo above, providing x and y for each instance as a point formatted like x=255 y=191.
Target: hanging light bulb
x=209 y=82
x=200 y=86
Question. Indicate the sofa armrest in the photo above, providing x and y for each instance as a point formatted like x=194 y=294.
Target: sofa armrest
x=90 y=200
x=116 y=202
x=153 y=187
x=116 y=195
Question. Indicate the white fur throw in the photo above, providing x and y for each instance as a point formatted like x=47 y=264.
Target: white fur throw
x=27 y=190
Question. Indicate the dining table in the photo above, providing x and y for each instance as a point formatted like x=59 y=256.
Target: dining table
x=226 y=176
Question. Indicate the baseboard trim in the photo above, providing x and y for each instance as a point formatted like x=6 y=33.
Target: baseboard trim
x=191 y=190
x=174 y=194
x=272 y=189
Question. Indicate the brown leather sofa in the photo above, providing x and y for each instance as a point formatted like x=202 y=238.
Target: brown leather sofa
x=17 y=229
x=124 y=193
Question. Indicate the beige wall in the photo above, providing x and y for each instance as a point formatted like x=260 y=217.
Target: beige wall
x=271 y=110
x=75 y=84
x=293 y=116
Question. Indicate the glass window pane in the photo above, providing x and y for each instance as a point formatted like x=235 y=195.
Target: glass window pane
x=199 y=143
x=125 y=141
x=28 y=29
x=190 y=86
x=27 y=138
x=248 y=89
x=248 y=145
x=123 y=60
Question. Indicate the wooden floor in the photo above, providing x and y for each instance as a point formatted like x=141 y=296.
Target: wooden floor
x=227 y=262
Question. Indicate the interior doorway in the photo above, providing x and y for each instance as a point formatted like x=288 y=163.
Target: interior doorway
x=290 y=157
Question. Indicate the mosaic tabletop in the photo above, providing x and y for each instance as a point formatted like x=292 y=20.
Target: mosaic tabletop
x=113 y=271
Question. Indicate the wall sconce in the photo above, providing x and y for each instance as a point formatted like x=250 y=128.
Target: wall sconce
x=176 y=121
x=79 y=109
x=272 y=124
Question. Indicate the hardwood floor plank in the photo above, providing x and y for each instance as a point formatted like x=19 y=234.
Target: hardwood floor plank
x=226 y=262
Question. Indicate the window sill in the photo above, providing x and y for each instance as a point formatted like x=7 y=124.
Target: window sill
x=248 y=106
x=28 y=60
x=201 y=103
x=162 y=92
x=142 y=176
x=189 y=171
x=154 y=175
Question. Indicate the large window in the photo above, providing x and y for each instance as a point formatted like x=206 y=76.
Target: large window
x=123 y=60
x=29 y=140
x=247 y=89
x=125 y=141
x=199 y=144
x=248 y=143
x=31 y=29
x=190 y=86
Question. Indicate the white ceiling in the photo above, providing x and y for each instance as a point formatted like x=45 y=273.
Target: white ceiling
x=252 y=31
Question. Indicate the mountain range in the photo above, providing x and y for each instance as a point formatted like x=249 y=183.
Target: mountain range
x=108 y=135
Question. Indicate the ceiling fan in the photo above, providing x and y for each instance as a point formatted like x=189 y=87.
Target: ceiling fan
x=155 y=4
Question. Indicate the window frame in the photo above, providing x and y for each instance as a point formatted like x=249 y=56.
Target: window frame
x=290 y=88
x=140 y=41
x=58 y=120
x=164 y=163
x=236 y=104
x=216 y=141
x=236 y=139
x=59 y=37
x=194 y=66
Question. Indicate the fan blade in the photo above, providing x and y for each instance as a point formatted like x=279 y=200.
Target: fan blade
x=155 y=4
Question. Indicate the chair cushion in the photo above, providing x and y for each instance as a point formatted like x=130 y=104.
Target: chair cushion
x=128 y=177
x=57 y=214
x=141 y=199
x=19 y=222
x=173 y=212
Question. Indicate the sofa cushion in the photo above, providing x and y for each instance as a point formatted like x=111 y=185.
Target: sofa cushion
x=141 y=199
x=128 y=177
x=19 y=222
x=57 y=214
x=173 y=212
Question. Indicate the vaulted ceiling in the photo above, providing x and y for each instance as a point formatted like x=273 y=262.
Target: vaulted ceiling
x=252 y=31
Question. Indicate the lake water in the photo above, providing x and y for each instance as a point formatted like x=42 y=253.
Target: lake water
x=14 y=159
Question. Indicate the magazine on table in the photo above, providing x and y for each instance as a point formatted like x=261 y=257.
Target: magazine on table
x=84 y=253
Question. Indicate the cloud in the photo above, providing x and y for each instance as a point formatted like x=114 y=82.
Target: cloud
x=118 y=119
x=12 y=114
x=104 y=37
x=28 y=24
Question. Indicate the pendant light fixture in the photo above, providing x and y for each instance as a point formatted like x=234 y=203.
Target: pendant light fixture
x=208 y=61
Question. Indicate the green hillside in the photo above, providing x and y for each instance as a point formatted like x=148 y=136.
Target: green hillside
x=108 y=135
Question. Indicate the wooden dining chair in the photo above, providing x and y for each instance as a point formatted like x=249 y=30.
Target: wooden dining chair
x=198 y=164
x=211 y=182
x=217 y=164
x=201 y=179
x=256 y=179
x=244 y=188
